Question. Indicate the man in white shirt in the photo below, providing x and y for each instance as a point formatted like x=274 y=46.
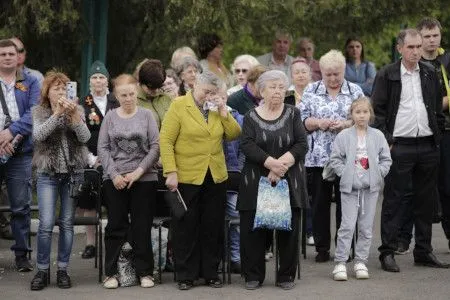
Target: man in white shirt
x=407 y=101
x=279 y=59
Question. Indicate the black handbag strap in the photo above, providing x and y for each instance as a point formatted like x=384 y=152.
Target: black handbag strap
x=4 y=107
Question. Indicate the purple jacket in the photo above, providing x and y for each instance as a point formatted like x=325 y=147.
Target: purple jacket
x=27 y=95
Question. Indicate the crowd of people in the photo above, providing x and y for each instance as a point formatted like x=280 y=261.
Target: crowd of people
x=334 y=129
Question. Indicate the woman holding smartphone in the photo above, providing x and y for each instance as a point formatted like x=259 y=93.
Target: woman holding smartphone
x=59 y=137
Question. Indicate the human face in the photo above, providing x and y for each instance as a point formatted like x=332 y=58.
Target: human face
x=333 y=77
x=170 y=87
x=216 y=53
x=241 y=72
x=203 y=92
x=281 y=46
x=274 y=92
x=431 y=39
x=56 y=92
x=354 y=50
x=306 y=50
x=8 y=58
x=127 y=96
x=98 y=84
x=411 y=50
x=361 y=115
x=188 y=76
x=301 y=74
x=21 y=53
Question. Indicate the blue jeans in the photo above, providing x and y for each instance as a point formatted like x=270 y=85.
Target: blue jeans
x=17 y=173
x=49 y=187
x=231 y=211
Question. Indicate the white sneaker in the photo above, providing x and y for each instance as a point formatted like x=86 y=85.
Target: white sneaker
x=340 y=272
x=147 y=282
x=361 y=271
x=310 y=241
x=110 y=283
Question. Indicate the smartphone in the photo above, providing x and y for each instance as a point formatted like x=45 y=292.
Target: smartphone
x=71 y=90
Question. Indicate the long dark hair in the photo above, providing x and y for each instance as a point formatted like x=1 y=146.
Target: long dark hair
x=349 y=40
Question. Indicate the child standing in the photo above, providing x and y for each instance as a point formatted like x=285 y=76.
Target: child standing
x=361 y=157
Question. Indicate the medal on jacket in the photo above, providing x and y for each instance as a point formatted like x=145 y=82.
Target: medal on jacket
x=94 y=118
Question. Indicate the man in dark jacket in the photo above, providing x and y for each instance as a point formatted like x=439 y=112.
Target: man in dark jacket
x=407 y=101
x=20 y=92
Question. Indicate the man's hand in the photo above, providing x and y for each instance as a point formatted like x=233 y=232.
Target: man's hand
x=5 y=137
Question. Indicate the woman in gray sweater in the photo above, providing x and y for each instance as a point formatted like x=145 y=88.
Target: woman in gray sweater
x=59 y=137
x=128 y=148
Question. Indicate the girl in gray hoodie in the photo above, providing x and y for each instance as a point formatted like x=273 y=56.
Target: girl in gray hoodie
x=361 y=157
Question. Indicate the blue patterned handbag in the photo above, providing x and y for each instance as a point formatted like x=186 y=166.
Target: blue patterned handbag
x=273 y=208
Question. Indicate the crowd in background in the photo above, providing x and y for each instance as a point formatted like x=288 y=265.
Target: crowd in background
x=334 y=129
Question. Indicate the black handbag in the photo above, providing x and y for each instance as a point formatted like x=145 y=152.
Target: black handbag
x=176 y=203
x=78 y=186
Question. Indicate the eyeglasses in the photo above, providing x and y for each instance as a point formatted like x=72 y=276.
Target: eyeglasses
x=237 y=71
x=20 y=50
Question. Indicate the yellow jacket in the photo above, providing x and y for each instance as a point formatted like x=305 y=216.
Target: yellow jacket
x=189 y=145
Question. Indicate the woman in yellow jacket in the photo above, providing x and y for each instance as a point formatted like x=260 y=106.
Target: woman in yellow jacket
x=192 y=155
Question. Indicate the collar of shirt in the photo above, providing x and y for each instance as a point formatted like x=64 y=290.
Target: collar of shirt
x=404 y=71
x=286 y=60
x=322 y=90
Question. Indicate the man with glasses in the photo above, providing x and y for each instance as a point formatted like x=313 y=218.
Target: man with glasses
x=21 y=57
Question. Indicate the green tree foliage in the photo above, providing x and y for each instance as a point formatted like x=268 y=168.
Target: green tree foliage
x=54 y=31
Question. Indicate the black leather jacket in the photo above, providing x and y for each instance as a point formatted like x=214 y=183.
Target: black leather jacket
x=386 y=99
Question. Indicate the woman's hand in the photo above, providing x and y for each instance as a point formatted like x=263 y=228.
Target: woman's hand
x=172 y=181
x=220 y=99
x=276 y=166
x=120 y=182
x=133 y=176
x=338 y=125
x=274 y=178
x=324 y=124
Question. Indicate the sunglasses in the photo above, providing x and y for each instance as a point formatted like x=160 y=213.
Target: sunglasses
x=240 y=71
x=20 y=50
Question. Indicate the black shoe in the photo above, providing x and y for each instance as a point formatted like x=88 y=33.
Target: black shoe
x=214 y=283
x=286 y=285
x=63 y=279
x=235 y=267
x=185 y=285
x=388 y=263
x=429 y=260
x=402 y=248
x=252 y=285
x=323 y=256
x=39 y=281
x=23 y=264
x=89 y=252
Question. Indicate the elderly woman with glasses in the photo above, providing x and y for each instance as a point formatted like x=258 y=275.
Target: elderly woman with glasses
x=241 y=66
x=193 y=162
x=274 y=143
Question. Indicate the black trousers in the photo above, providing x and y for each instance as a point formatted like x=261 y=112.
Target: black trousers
x=322 y=195
x=415 y=159
x=139 y=202
x=253 y=246
x=198 y=236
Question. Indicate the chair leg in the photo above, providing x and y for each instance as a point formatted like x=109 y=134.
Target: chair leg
x=303 y=232
x=275 y=253
x=96 y=247
x=100 y=251
x=159 y=253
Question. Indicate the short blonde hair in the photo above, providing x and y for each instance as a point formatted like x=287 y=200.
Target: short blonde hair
x=332 y=59
x=245 y=58
x=363 y=100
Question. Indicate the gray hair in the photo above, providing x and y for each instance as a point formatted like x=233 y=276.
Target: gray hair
x=302 y=40
x=171 y=73
x=179 y=53
x=332 y=59
x=212 y=79
x=282 y=33
x=403 y=33
x=271 y=75
x=246 y=58
x=186 y=63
